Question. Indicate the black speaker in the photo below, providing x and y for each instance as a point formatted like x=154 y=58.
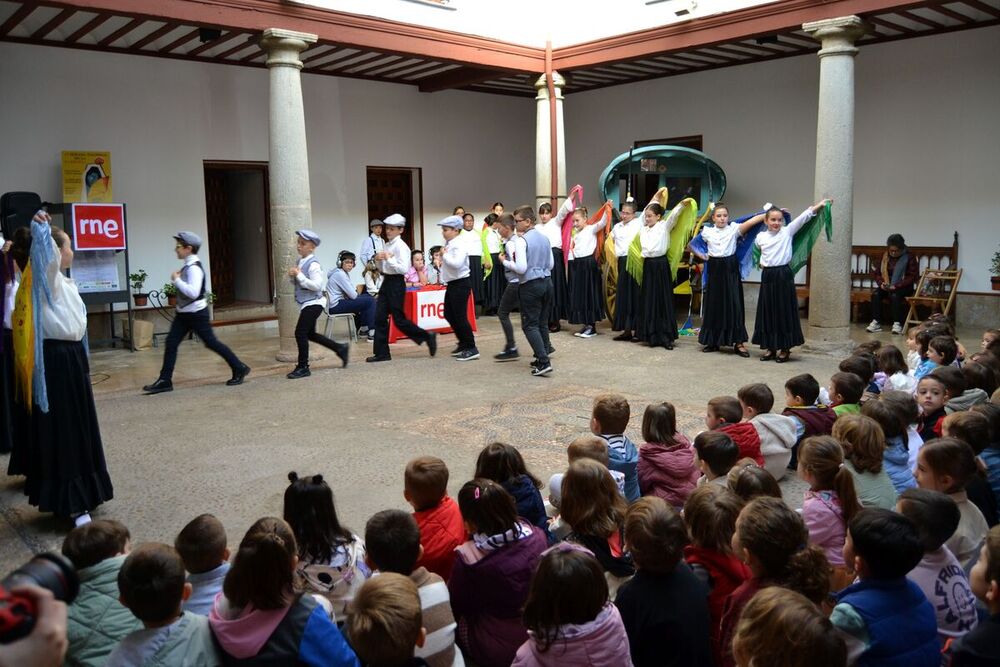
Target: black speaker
x=17 y=209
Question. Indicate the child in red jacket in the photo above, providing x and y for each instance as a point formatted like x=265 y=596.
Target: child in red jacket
x=726 y=414
x=441 y=528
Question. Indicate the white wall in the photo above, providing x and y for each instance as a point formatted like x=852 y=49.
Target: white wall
x=162 y=118
x=927 y=145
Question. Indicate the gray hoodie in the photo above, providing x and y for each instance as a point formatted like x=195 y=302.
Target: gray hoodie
x=968 y=398
x=777 y=437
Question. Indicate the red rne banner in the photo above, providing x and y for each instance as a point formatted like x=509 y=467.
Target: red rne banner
x=98 y=226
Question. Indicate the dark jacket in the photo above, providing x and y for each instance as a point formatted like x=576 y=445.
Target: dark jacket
x=529 y=500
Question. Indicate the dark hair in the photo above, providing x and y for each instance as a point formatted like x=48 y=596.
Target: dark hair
x=568 y=588
x=867 y=347
x=888 y=542
x=972 y=428
x=310 y=511
x=891 y=360
x=777 y=537
x=805 y=387
x=20 y=246
x=992 y=413
x=946 y=347
x=896 y=241
x=591 y=502
x=850 y=386
x=346 y=255
x=434 y=249
x=720 y=205
x=497 y=203
x=757 y=396
x=392 y=541
x=905 y=406
x=935 y=515
x=862 y=365
x=710 y=514
x=989 y=360
x=782 y=627
x=750 y=480
x=151 y=582
x=727 y=408
x=717 y=450
x=415 y=252
x=527 y=213
x=544 y=208
x=490 y=219
x=979 y=376
x=862 y=438
x=468 y=215
x=659 y=423
x=612 y=413
x=202 y=544
x=94 y=542
x=655 y=208
x=502 y=463
x=923 y=338
x=507 y=220
x=262 y=571
x=951 y=457
x=952 y=378
x=426 y=481
x=823 y=457
x=887 y=415
x=487 y=506
x=655 y=535
x=458 y=208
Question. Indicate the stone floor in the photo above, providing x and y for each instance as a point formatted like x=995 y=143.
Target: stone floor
x=227 y=450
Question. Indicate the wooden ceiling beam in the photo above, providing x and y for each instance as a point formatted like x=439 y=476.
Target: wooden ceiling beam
x=121 y=32
x=87 y=28
x=181 y=41
x=950 y=13
x=916 y=18
x=167 y=27
x=983 y=7
x=218 y=41
x=15 y=19
x=459 y=78
x=249 y=41
x=53 y=23
x=890 y=25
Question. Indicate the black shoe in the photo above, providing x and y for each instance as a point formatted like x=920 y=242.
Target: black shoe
x=742 y=351
x=378 y=357
x=238 y=375
x=555 y=327
x=507 y=355
x=551 y=351
x=457 y=351
x=541 y=368
x=669 y=345
x=710 y=348
x=783 y=356
x=625 y=336
x=432 y=343
x=160 y=386
x=344 y=352
x=768 y=356
x=299 y=372
x=470 y=354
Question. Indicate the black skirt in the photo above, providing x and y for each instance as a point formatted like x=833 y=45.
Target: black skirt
x=626 y=299
x=656 y=321
x=476 y=276
x=586 y=298
x=66 y=471
x=7 y=406
x=494 y=285
x=777 y=325
x=725 y=317
x=560 y=297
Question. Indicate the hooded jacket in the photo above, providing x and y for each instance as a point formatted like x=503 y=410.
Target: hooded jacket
x=97 y=621
x=777 y=437
x=668 y=471
x=969 y=398
x=529 y=500
x=896 y=462
x=744 y=434
x=600 y=642
x=441 y=531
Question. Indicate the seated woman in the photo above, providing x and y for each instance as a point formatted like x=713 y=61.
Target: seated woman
x=894 y=278
x=344 y=297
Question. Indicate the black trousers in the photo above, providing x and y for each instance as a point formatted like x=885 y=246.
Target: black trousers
x=508 y=301
x=456 y=304
x=390 y=302
x=536 y=302
x=199 y=323
x=305 y=331
x=898 y=299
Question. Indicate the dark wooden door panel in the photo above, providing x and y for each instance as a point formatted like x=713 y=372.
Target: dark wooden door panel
x=391 y=191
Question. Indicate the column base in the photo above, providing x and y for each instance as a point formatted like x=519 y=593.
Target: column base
x=828 y=340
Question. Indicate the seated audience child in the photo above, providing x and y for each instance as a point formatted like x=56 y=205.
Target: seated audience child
x=947 y=465
x=928 y=360
x=202 y=546
x=908 y=414
x=716 y=455
x=863 y=365
x=773 y=541
x=748 y=480
x=664 y=606
x=724 y=414
x=830 y=503
x=990 y=338
x=151 y=584
x=973 y=429
x=392 y=540
x=569 y=617
x=260 y=619
x=385 y=625
x=434 y=265
x=913 y=356
x=896 y=458
x=505 y=466
x=884 y=618
x=939 y=574
x=425 y=487
x=893 y=374
x=585 y=447
x=331 y=558
x=776 y=432
x=980 y=383
x=981 y=646
x=710 y=514
x=845 y=393
x=990 y=455
x=953 y=381
x=492 y=574
x=609 y=419
x=96 y=620
x=666 y=459
x=416 y=276
x=864 y=447
x=782 y=627
x=801 y=394
x=592 y=506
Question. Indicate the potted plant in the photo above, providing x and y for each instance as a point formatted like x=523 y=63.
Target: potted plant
x=138 y=279
x=995 y=271
x=170 y=290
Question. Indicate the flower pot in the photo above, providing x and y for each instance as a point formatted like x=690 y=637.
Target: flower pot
x=171 y=300
x=995 y=282
x=140 y=299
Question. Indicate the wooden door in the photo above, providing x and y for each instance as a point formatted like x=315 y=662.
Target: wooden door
x=219 y=236
x=391 y=191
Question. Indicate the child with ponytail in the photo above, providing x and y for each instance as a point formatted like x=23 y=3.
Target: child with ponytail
x=830 y=503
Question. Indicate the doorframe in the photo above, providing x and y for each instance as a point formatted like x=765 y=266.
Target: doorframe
x=417 y=183
x=264 y=168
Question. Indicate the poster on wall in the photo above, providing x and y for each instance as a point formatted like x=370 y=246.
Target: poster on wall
x=96 y=271
x=86 y=176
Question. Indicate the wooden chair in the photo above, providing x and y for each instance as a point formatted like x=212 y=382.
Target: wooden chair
x=936 y=290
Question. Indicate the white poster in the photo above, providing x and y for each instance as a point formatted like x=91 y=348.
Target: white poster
x=430 y=310
x=96 y=271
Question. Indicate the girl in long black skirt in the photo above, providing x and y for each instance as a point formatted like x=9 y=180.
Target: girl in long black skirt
x=475 y=248
x=626 y=289
x=656 y=322
x=551 y=227
x=8 y=285
x=586 y=295
x=495 y=283
x=777 y=325
x=66 y=471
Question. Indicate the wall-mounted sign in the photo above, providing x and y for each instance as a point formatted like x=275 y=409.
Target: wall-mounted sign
x=98 y=226
x=86 y=176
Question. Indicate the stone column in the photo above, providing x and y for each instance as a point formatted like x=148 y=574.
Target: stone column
x=288 y=171
x=829 y=284
x=543 y=148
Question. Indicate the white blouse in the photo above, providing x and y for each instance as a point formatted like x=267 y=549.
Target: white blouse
x=624 y=233
x=584 y=242
x=553 y=228
x=776 y=247
x=493 y=241
x=8 y=298
x=66 y=317
x=721 y=241
x=473 y=242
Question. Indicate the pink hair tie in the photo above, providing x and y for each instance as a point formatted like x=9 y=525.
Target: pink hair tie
x=475 y=494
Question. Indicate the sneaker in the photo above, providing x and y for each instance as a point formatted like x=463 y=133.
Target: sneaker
x=579 y=334
x=81 y=519
x=897 y=328
x=540 y=368
x=457 y=351
x=588 y=332
x=371 y=336
x=551 y=351
x=874 y=327
x=509 y=354
x=468 y=355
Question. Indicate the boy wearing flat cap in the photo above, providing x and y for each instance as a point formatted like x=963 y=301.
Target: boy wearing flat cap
x=373 y=243
x=192 y=315
x=455 y=274
x=310 y=281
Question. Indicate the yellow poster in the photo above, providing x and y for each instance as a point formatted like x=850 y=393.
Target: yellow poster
x=86 y=176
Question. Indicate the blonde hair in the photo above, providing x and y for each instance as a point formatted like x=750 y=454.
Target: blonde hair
x=385 y=620
x=591 y=502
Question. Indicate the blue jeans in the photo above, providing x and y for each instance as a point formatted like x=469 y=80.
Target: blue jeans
x=363 y=306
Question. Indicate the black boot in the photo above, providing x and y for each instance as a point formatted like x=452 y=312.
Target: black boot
x=159 y=387
x=344 y=352
x=238 y=375
x=299 y=372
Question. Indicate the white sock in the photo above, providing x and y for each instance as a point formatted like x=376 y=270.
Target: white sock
x=82 y=519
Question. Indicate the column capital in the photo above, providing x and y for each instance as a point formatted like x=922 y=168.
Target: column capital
x=284 y=46
x=542 y=86
x=837 y=35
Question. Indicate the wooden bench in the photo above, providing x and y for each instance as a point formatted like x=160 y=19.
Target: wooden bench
x=864 y=257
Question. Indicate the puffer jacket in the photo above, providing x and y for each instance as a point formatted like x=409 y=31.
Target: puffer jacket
x=668 y=471
x=97 y=621
x=777 y=437
x=602 y=641
x=896 y=461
